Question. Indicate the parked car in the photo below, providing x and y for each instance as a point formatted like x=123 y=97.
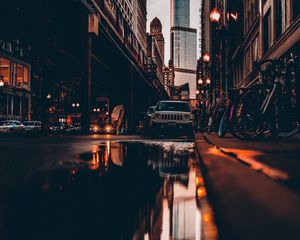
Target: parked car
x=172 y=117
x=72 y=129
x=147 y=119
x=58 y=127
x=32 y=126
x=11 y=126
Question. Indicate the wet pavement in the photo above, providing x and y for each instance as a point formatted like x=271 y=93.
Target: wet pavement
x=253 y=186
x=103 y=188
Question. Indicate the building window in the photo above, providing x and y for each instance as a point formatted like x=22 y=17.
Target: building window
x=267 y=31
x=255 y=49
x=5 y=70
x=20 y=75
x=295 y=8
x=281 y=17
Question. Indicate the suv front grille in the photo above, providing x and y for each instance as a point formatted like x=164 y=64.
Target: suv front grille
x=172 y=116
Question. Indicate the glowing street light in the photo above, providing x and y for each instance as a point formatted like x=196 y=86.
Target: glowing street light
x=215 y=15
x=206 y=57
x=197 y=92
x=49 y=96
x=208 y=81
x=200 y=81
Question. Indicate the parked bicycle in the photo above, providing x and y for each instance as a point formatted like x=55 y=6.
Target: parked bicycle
x=269 y=109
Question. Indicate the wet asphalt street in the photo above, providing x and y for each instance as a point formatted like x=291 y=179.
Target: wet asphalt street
x=102 y=187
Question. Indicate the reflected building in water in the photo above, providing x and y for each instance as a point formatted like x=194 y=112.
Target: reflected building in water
x=125 y=190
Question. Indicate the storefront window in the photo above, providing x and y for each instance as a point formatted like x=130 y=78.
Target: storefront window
x=5 y=70
x=20 y=75
x=26 y=77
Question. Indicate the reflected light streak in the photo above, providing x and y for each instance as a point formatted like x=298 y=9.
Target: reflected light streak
x=201 y=192
x=94 y=164
x=206 y=218
x=198 y=225
x=108 y=147
x=249 y=157
x=199 y=181
x=146 y=236
x=166 y=221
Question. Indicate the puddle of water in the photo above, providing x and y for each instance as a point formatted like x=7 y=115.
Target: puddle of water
x=133 y=190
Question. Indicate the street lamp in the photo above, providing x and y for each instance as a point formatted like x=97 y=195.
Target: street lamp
x=49 y=96
x=197 y=92
x=208 y=81
x=200 y=81
x=215 y=15
x=206 y=57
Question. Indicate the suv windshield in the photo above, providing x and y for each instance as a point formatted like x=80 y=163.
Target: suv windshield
x=173 y=106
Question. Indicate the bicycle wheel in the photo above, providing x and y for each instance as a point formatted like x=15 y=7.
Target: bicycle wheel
x=249 y=121
x=289 y=124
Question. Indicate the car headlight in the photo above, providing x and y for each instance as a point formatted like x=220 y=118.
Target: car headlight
x=157 y=115
x=186 y=117
x=108 y=128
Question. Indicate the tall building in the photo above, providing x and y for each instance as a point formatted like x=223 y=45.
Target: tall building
x=140 y=22
x=156 y=31
x=15 y=95
x=180 y=13
x=153 y=52
x=183 y=45
x=200 y=33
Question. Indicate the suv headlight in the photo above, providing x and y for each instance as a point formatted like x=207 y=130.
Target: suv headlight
x=157 y=115
x=186 y=117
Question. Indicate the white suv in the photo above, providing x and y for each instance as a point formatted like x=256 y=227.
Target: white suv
x=172 y=117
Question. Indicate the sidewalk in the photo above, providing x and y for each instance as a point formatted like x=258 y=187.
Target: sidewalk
x=253 y=186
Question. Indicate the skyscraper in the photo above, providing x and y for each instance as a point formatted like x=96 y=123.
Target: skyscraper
x=180 y=13
x=156 y=31
x=183 y=45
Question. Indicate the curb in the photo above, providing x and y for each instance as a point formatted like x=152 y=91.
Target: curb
x=247 y=204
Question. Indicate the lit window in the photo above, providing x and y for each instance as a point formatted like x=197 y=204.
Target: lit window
x=5 y=70
x=20 y=75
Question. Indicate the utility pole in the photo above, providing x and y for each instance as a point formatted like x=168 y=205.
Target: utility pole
x=86 y=79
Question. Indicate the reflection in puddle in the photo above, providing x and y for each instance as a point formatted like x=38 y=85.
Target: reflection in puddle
x=126 y=191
